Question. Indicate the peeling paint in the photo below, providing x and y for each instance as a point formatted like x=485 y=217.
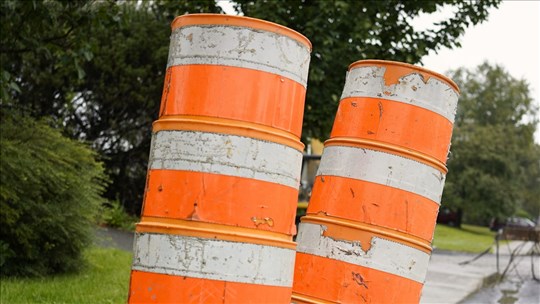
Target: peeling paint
x=213 y=259
x=240 y=47
x=226 y=154
x=359 y=279
x=263 y=221
x=429 y=93
x=384 y=169
x=407 y=262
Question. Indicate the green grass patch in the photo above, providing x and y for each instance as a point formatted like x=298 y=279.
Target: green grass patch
x=104 y=280
x=468 y=238
x=106 y=277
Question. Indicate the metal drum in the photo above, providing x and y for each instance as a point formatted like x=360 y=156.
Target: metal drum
x=368 y=230
x=224 y=169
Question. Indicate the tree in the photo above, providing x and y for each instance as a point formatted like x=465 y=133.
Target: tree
x=346 y=31
x=42 y=49
x=96 y=67
x=494 y=163
x=49 y=193
x=122 y=91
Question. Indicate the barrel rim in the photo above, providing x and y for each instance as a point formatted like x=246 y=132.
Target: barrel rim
x=210 y=230
x=380 y=62
x=389 y=234
x=220 y=125
x=242 y=21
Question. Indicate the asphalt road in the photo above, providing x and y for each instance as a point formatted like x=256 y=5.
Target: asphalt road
x=518 y=286
x=113 y=238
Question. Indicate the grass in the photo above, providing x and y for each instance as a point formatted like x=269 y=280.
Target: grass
x=468 y=238
x=105 y=280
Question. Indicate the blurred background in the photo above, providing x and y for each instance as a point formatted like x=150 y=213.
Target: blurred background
x=81 y=84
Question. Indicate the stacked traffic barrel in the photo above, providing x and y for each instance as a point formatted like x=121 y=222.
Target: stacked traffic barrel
x=370 y=221
x=223 y=175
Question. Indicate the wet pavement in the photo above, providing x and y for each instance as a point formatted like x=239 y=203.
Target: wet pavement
x=114 y=238
x=520 y=285
x=478 y=282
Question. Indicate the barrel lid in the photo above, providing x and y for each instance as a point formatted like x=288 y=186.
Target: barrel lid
x=405 y=68
x=242 y=21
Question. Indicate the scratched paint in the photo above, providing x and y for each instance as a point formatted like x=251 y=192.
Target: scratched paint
x=213 y=259
x=230 y=79
x=431 y=94
x=384 y=255
x=240 y=47
x=382 y=168
x=226 y=154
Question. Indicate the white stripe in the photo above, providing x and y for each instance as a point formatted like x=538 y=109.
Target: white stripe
x=433 y=95
x=226 y=154
x=213 y=259
x=383 y=168
x=384 y=255
x=240 y=47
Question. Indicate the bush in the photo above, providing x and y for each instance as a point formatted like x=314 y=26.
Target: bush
x=113 y=214
x=50 y=190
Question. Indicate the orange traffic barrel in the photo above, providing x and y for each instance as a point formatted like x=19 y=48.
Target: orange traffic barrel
x=367 y=233
x=222 y=184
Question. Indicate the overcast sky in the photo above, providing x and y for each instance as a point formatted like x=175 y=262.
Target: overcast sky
x=510 y=37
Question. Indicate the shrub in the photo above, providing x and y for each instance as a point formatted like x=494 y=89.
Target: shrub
x=113 y=214
x=50 y=190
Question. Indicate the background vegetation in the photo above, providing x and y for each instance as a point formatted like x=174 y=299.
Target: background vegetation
x=494 y=165
x=105 y=280
x=106 y=275
x=49 y=190
x=96 y=68
x=92 y=71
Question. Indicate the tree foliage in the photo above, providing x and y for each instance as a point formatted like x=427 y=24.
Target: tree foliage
x=97 y=67
x=494 y=168
x=50 y=189
x=100 y=79
x=42 y=49
x=346 y=31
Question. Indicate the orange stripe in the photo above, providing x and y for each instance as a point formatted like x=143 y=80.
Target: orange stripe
x=228 y=20
x=234 y=93
x=384 y=147
x=220 y=199
x=227 y=126
x=340 y=282
x=146 y=287
x=342 y=229
x=161 y=225
x=394 y=123
x=374 y=204
x=396 y=70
